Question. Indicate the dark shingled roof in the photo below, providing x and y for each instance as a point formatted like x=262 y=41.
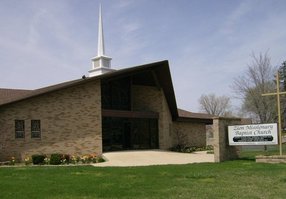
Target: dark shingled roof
x=159 y=71
x=18 y=95
x=7 y=94
x=195 y=117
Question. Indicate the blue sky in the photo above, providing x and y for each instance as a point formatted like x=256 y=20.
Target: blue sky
x=207 y=42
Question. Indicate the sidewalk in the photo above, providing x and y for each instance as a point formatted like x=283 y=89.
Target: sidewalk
x=153 y=157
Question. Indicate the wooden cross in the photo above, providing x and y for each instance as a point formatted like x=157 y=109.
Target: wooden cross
x=278 y=93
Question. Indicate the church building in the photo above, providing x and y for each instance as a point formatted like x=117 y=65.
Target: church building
x=110 y=110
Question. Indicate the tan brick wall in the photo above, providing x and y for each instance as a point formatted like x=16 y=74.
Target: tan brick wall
x=147 y=98
x=189 y=134
x=70 y=123
x=222 y=150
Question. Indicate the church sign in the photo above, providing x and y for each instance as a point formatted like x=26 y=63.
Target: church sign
x=255 y=134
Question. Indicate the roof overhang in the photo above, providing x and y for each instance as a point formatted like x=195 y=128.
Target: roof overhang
x=195 y=120
x=187 y=116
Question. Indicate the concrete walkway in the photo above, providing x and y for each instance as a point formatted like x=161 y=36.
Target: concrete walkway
x=152 y=157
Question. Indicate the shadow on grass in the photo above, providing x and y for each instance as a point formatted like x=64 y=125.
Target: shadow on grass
x=247 y=158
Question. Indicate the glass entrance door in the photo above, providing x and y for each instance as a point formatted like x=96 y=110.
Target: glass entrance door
x=129 y=133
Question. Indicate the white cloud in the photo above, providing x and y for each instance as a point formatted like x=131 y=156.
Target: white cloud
x=130 y=28
x=124 y=3
x=236 y=16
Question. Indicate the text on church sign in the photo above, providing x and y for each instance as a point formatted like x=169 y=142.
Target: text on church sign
x=255 y=134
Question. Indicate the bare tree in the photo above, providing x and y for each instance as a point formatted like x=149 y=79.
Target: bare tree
x=256 y=80
x=215 y=105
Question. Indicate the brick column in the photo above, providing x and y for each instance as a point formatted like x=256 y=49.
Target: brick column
x=222 y=150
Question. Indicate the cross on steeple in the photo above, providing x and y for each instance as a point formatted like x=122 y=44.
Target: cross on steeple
x=101 y=63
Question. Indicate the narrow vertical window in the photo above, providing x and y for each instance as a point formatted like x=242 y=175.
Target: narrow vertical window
x=35 y=128
x=19 y=129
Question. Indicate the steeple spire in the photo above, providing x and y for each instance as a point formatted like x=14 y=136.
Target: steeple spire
x=101 y=63
x=100 y=44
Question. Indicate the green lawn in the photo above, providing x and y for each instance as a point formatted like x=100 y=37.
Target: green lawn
x=233 y=179
x=250 y=153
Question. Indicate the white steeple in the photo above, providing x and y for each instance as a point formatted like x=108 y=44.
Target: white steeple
x=101 y=63
x=100 y=44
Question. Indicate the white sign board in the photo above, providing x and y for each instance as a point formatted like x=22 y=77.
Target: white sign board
x=254 y=134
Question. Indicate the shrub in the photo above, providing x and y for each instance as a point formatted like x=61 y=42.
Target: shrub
x=84 y=159
x=178 y=148
x=100 y=159
x=56 y=159
x=12 y=161
x=38 y=159
x=66 y=159
x=92 y=158
x=209 y=147
x=190 y=149
x=74 y=159
x=27 y=160
x=47 y=160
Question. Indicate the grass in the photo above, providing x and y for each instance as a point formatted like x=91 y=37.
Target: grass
x=251 y=152
x=232 y=179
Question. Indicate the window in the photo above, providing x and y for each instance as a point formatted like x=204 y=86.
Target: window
x=19 y=129
x=35 y=128
x=116 y=94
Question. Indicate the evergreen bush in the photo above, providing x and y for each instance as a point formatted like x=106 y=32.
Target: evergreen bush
x=100 y=159
x=38 y=159
x=56 y=159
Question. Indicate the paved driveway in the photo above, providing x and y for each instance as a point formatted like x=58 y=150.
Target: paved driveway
x=153 y=157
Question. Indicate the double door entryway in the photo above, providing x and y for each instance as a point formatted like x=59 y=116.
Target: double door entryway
x=121 y=133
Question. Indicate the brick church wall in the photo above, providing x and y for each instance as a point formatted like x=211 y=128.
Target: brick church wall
x=189 y=134
x=70 y=123
x=147 y=98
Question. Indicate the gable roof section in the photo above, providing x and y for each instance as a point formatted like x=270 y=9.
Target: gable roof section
x=160 y=71
x=19 y=96
x=161 y=78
